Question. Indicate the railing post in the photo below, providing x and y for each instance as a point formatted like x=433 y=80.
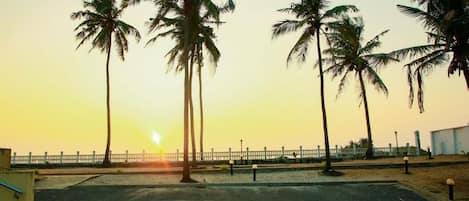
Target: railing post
x=247 y=154
x=408 y=149
x=45 y=157
x=212 y=155
x=177 y=154
x=301 y=153
x=390 y=149
x=265 y=153
x=319 y=151
x=336 y=151
x=143 y=155
x=229 y=153
x=93 y=158
x=61 y=160
x=283 y=151
x=78 y=157
x=30 y=158
x=126 y=156
x=14 y=158
x=354 y=150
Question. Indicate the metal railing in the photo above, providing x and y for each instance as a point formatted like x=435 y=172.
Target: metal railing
x=248 y=155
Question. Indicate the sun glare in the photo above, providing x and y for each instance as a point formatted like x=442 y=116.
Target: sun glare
x=156 y=138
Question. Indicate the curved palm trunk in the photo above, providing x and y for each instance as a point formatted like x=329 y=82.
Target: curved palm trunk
x=191 y=114
x=323 y=105
x=369 y=150
x=201 y=116
x=107 y=159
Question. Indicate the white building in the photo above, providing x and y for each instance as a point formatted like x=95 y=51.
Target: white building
x=450 y=140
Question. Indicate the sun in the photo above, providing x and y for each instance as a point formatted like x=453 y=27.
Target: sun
x=156 y=138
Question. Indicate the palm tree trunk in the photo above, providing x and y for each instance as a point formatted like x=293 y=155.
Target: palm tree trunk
x=323 y=105
x=201 y=116
x=107 y=159
x=188 y=7
x=191 y=113
x=369 y=150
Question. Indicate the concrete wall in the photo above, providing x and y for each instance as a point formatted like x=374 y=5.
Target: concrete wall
x=20 y=180
x=450 y=141
x=5 y=159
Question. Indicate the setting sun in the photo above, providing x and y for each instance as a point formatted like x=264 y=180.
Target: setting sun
x=156 y=138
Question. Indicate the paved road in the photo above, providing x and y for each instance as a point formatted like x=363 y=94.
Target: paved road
x=336 y=192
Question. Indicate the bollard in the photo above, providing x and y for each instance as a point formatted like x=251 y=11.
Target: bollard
x=450 y=182
x=429 y=153
x=231 y=167
x=406 y=164
x=45 y=157
x=265 y=153
x=254 y=168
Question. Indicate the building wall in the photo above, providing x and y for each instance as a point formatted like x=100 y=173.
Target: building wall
x=21 y=180
x=450 y=141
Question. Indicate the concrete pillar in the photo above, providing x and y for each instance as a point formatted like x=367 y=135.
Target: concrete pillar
x=30 y=158
x=45 y=157
x=336 y=151
x=265 y=153
x=126 y=156
x=94 y=157
x=13 y=162
x=61 y=157
x=78 y=157
x=417 y=143
x=390 y=149
x=319 y=151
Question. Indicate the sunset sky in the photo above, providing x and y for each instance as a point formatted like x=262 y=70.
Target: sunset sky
x=52 y=97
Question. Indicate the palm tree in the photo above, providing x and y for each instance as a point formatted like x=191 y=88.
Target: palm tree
x=447 y=25
x=184 y=26
x=102 y=22
x=311 y=15
x=349 y=55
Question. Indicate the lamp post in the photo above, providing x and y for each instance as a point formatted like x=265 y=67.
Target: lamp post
x=241 y=141
x=397 y=145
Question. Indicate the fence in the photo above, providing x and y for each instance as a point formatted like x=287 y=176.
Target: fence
x=265 y=154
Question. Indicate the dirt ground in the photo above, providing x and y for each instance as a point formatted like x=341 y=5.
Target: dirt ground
x=428 y=181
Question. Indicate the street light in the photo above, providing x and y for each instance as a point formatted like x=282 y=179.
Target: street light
x=397 y=145
x=241 y=150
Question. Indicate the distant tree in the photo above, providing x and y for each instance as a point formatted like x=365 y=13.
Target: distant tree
x=311 y=16
x=349 y=55
x=101 y=22
x=447 y=25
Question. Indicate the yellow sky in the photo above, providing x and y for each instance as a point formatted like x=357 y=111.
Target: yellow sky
x=52 y=98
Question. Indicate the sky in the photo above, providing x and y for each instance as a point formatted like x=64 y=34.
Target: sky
x=52 y=96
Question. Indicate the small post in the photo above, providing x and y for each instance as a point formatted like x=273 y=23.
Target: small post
x=30 y=158
x=301 y=154
x=319 y=151
x=14 y=158
x=390 y=149
x=61 y=157
x=354 y=150
x=231 y=167
x=450 y=182
x=93 y=158
x=429 y=153
x=126 y=156
x=254 y=168
x=336 y=151
x=212 y=155
x=229 y=153
x=406 y=164
x=78 y=157
x=45 y=157
x=265 y=153
x=283 y=151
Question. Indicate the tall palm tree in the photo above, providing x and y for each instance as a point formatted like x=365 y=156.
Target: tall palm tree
x=447 y=25
x=184 y=26
x=311 y=16
x=349 y=55
x=101 y=23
